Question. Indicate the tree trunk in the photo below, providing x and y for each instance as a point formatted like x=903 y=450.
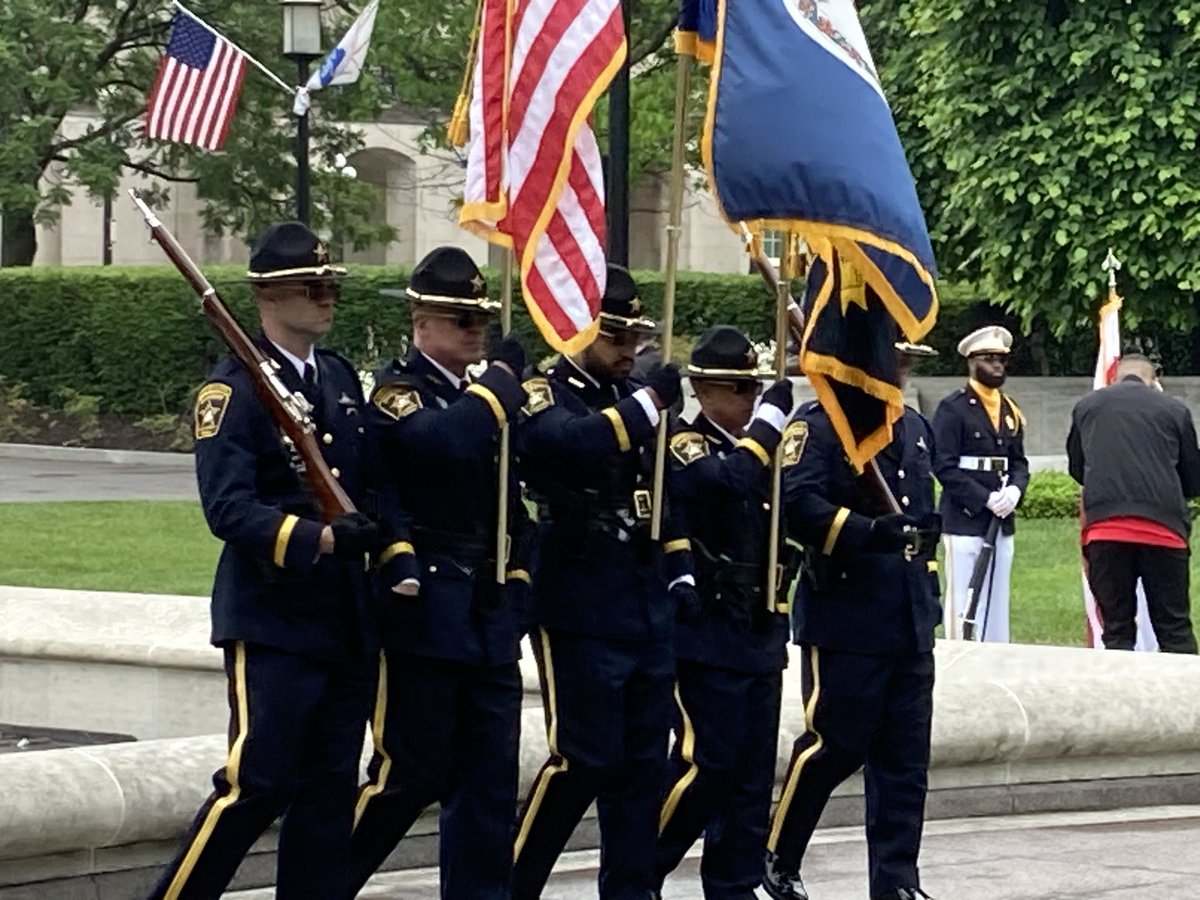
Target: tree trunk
x=18 y=242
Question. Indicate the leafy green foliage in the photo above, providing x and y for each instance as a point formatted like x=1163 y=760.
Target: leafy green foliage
x=1042 y=133
x=1051 y=495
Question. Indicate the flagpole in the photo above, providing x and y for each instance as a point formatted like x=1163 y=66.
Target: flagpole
x=783 y=300
x=683 y=81
x=250 y=59
x=506 y=267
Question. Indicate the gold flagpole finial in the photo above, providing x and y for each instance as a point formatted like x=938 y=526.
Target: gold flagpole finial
x=1112 y=266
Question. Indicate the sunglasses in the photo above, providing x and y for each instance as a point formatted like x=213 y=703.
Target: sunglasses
x=1000 y=358
x=322 y=291
x=626 y=339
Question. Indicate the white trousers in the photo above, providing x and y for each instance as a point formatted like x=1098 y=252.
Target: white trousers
x=991 y=616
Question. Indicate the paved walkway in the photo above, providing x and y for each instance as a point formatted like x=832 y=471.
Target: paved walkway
x=1150 y=854
x=30 y=473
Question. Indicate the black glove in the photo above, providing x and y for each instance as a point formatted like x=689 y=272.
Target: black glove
x=353 y=535
x=780 y=395
x=510 y=352
x=890 y=533
x=664 y=381
x=688 y=604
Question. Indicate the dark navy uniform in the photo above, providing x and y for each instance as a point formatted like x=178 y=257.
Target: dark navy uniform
x=447 y=725
x=729 y=661
x=293 y=624
x=973 y=456
x=865 y=620
x=605 y=620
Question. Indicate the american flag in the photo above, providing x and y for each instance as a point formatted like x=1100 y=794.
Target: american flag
x=196 y=92
x=534 y=176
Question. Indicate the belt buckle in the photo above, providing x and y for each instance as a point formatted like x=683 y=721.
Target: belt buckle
x=643 y=506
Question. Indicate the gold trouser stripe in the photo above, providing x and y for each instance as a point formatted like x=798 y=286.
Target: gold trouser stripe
x=677 y=545
x=757 y=449
x=793 y=776
x=492 y=400
x=378 y=718
x=282 y=538
x=232 y=767
x=835 y=529
x=518 y=575
x=557 y=763
x=618 y=425
x=688 y=751
x=395 y=550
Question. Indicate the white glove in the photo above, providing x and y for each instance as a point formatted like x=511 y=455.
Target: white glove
x=1004 y=501
x=409 y=587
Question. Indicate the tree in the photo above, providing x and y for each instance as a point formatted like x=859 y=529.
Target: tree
x=1042 y=133
x=100 y=56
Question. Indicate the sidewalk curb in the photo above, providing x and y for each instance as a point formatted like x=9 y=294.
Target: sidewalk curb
x=177 y=461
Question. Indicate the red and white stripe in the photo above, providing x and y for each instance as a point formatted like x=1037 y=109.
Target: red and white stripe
x=195 y=106
x=548 y=199
x=1107 y=359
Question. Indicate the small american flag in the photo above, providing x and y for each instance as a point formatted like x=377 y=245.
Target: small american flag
x=196 y=92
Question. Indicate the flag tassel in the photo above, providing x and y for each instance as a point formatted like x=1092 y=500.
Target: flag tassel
x=683 y=82
x=458 y=129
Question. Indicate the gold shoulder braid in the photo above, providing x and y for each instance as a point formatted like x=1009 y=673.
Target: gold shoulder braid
x=397 y=400
x=211 y=404
x=689 y=446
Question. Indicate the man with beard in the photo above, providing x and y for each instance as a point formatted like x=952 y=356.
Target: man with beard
x=605 y=599
x=447 y=720
x=981 y=464
x=730 y=658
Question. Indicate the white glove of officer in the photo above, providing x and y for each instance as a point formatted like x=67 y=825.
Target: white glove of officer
x=1003 y=502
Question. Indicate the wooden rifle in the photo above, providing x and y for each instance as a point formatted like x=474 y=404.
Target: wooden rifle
x=291 y=410
x=983 y=565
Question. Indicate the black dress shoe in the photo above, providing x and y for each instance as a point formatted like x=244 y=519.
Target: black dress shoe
x=902 y=893
x=780 y=884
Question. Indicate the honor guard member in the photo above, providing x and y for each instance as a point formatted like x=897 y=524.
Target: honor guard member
x=447 y=724
x=289 y=605
x=605 y=599
x=730 y=657
x=983 y=471
x=866 y=609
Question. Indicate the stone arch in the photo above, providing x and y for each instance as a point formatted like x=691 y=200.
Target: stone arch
x=394 y=176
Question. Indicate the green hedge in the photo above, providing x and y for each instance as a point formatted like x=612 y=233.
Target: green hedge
x=134 y=337
x=1055 y=495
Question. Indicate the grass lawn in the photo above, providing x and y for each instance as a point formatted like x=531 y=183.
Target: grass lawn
x=144 y=547
x=165 y=547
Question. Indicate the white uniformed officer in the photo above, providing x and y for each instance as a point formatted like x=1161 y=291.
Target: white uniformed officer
x=981 y=464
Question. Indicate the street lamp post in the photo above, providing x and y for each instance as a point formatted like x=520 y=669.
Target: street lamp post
x=302 y=42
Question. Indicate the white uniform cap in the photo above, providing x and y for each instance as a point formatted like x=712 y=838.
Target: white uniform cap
x=989 y=339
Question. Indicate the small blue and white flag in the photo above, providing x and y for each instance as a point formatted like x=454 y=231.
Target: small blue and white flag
x=344 y=63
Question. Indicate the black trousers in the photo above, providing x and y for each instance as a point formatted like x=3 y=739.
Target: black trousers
x=1114 y=568
x=295 y=737
x=608 y=717
x=872 y=711
x=722 y=772
x=444 y=732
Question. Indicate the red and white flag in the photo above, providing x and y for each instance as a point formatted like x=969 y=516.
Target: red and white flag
x=196 y=92
x=1107 y=359
x=534 y=176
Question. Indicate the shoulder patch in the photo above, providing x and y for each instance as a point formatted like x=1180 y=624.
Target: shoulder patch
x=795 y=436
x=689 y=446
x=211 y=404
x=397 y=400
x=540 y=394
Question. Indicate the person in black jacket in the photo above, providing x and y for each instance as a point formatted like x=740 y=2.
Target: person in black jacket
x=864 y=616
x=447 y=722
x=731 y=654
x=983 y=471
x=1134 y=450
x=605 y=598
x=289 y=604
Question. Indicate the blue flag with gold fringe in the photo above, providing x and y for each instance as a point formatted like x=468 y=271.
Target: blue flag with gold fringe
x=799 y=137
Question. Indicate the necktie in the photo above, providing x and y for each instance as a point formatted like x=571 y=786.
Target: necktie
x=310 y=383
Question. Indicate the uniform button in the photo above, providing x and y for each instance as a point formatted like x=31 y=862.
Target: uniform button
x=327 y=438
x=360 y=429
x=977 y=434
x=999 y=443
x=904 y=500
x=335 y=472
x=972 y=401
x=900 y=474
x=433 y=569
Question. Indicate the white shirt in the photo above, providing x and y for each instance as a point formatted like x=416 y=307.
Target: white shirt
x=450 y=376
x=296 y=361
